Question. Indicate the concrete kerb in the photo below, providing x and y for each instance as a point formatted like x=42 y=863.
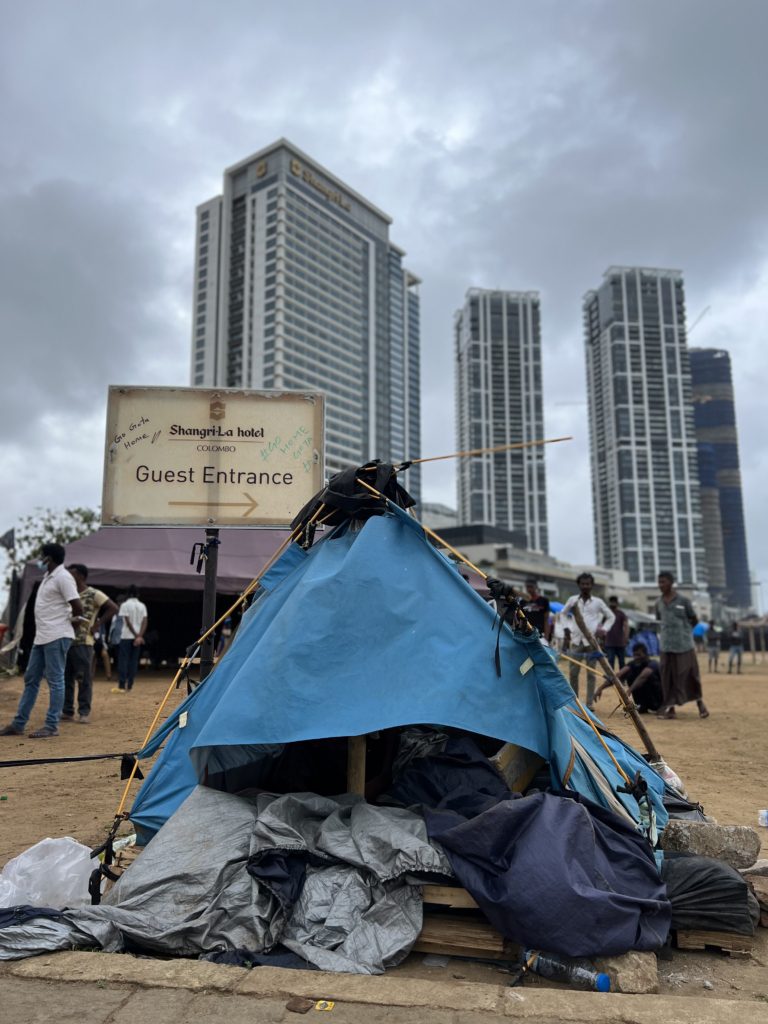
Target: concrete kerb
x=269 y=982
x=193 y=975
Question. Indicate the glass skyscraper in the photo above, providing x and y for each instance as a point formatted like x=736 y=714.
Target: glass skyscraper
x=645 y=475
x=725 y=538
x=497 y=337
x=297 y=286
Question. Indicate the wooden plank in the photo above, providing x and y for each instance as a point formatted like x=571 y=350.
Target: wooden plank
x=448 y=896
x=517 y=766
x=736 y=945
x=356 y=765
x=456 y=935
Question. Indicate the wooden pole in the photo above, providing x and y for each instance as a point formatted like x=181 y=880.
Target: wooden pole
x=624 y=695
x=356 y=765
x=752 y=644
x=490 y=451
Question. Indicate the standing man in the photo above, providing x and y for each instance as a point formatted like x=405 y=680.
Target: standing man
x=735 y=648
x=713 y=647
x=598 y=618
x=56 y=607
x=97 y=611
x=536 y=609
x=133 y=612
x=680 y=679
x=617 y=637
x=115 y=632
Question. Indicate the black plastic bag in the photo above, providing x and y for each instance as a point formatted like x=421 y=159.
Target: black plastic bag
x=708 y=895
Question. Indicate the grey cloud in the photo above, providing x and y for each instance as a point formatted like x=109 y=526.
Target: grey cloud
x=515 y=145
x=80 y=285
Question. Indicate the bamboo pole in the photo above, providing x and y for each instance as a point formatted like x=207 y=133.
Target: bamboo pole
x=490 y=451
x=188 y=659
x=625 y=697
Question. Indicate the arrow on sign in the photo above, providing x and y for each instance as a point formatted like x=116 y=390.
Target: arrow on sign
x=250 y=504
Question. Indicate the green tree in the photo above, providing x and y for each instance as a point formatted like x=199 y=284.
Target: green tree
x=58 y=526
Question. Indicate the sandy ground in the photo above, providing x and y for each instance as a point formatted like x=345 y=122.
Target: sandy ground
x=722 y=760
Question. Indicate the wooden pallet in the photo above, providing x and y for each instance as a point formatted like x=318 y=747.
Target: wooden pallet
x=467 y=934
x=738 y=946
x=448 y=896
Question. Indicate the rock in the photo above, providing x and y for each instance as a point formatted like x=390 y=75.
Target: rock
x=299 y=1004
x=760 y=867
x=707 y=984
x=737 y=845
x=632 y=972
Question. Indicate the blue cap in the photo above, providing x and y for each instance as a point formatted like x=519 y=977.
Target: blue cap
x=602 y=983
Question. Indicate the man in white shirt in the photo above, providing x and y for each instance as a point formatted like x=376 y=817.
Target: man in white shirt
x=598 y=618
x=133 y=613
x=57 y=606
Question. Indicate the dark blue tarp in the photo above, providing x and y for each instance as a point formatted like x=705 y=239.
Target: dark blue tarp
x=374 y=628
x=558 y=873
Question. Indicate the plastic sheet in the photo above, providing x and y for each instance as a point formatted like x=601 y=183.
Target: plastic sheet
x=52 y=873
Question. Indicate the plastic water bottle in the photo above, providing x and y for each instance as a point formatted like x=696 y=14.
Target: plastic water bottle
x=548 y=965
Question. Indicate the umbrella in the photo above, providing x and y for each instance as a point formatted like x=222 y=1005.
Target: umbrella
x=700 y=629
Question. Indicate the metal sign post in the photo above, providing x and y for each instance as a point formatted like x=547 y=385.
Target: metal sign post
x=209 y=601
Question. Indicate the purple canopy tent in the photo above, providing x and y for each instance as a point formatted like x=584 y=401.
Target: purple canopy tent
x=158 y=559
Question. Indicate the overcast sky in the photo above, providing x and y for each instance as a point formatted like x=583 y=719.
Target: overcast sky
x=522 y=145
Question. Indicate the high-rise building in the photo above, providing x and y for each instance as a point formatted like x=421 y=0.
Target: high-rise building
x=499 y=402
x=645 y=476
x=297 y=286
x=722 y=508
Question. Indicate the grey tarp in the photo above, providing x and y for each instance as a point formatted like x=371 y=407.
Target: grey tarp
x=356 y=911
x=189 y=892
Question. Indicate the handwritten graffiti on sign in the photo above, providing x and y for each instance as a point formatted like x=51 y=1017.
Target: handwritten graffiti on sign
x=197 y=456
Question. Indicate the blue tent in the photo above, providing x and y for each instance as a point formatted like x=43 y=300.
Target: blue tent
x=369 y=629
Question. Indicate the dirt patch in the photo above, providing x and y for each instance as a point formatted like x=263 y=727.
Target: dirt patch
x=723 y=761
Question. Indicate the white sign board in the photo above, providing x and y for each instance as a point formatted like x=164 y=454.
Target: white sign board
x=201 y=457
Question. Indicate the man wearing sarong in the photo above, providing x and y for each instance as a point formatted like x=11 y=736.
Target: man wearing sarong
x=680 y=678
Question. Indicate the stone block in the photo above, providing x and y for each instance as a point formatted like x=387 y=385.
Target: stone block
x=737 y=845
x=122 y=968
x=632 y=972
x=383 y=989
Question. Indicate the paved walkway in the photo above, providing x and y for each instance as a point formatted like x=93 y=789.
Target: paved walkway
x=69 y=988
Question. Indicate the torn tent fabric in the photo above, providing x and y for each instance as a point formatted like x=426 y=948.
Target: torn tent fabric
x=369 y=629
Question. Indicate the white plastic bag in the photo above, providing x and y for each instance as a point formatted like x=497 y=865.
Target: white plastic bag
x=52 y=873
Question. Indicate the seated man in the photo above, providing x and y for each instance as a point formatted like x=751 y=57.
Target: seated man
x=643 y=678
